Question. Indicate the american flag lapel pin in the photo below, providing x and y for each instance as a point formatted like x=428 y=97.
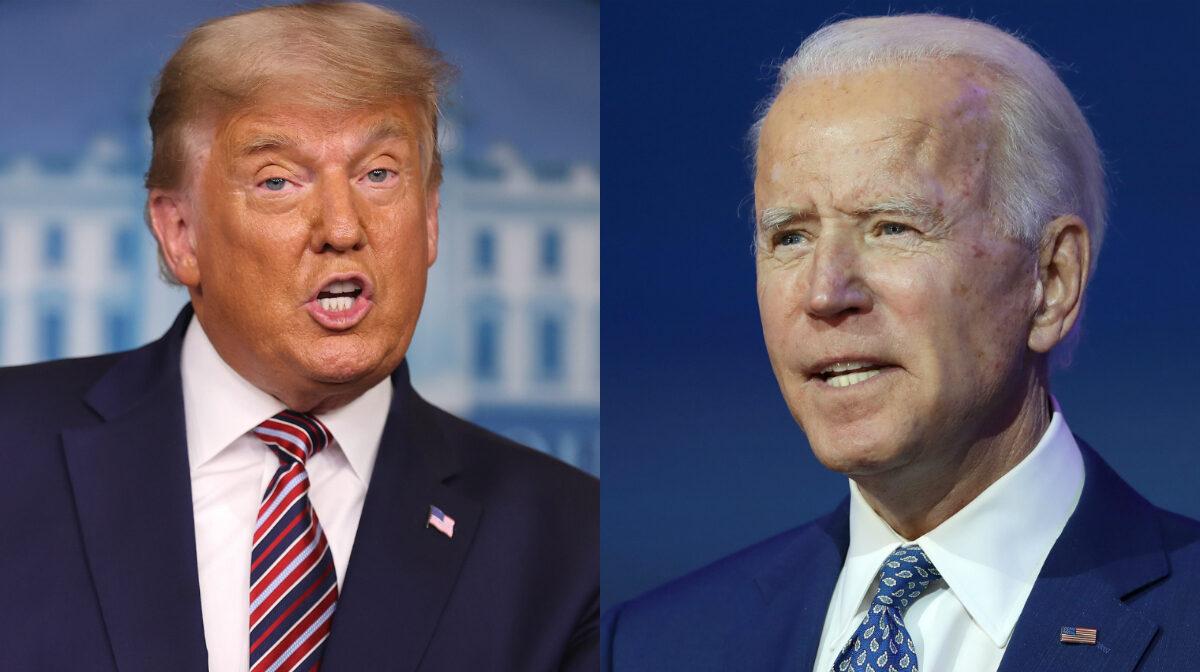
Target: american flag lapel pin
x=440 y=522
x=1076 y=635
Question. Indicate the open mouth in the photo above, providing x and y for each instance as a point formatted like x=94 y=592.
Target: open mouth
x=845 y=374
x=339 y=296
x=342 y=302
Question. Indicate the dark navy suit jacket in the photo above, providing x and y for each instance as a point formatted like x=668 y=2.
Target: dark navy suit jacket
x=1121 y=565
x=97 y=545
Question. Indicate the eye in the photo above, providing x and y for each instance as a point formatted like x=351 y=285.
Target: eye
x=379 y=175
x=789 y=238
x=274 y=183
x=893 y=228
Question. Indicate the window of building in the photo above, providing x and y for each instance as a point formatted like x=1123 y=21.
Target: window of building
x=550 y=252
x=127 y=247
x=485 y=356
x=52 y=332
x=485 y=252
x=118 y=330
x=550 y=348
x=54 y=245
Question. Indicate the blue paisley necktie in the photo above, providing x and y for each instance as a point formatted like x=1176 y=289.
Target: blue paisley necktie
x=881 y=642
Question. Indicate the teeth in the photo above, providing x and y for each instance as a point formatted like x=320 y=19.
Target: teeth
x=341 y=287
x=848 y=379
x=336 y=304
x=846 y=366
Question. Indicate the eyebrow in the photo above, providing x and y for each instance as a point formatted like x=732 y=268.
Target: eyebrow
x=264 y=141
x=772 y=218
x=907 y=205
x=384 y=129
x=267 y=141
x=911 y=206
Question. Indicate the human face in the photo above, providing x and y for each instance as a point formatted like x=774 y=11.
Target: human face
x=291 y=205
x=875 y=252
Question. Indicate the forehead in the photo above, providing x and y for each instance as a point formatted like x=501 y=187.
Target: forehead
x=874 y=133
x=261 y=127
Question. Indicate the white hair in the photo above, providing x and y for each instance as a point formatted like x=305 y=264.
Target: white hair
x=1046 y=164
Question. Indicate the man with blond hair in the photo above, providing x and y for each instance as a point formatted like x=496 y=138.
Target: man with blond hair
x=262 y=488
x=929 y=206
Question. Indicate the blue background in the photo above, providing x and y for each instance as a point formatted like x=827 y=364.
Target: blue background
x=701 y=455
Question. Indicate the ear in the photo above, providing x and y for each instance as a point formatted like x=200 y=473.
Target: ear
x=432 y=202
x=174 y=228
x=1064 y=263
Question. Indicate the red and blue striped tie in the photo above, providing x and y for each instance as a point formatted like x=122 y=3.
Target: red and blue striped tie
x=293 y=583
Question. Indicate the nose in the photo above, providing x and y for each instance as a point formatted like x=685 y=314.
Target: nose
x=836 y=286
x=338 y=221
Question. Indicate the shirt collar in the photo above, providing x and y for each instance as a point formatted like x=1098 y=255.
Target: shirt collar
x=220 y=406
x=976 y=550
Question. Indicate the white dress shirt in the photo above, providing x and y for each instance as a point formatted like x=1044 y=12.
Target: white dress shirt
x=230 y=470
x=989 y=553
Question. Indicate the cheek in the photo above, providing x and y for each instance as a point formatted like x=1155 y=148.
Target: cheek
x=929 y=313
x=917 y=291
x=777 y=297
x=967 y=312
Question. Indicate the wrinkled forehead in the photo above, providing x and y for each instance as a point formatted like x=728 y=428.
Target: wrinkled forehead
x=220 y=140
x=285 y=126
x=894 y=129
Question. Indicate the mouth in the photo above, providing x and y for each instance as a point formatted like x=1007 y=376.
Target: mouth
x=342 y=301
x=847 y=372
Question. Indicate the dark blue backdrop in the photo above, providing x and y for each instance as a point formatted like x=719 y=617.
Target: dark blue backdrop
x=700 y=454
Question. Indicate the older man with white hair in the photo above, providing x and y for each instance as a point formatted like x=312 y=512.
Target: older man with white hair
x=930 y=203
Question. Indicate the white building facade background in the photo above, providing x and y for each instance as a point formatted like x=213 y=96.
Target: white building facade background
x=509 y=335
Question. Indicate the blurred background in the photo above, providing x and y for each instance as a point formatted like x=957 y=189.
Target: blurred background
x=509 y=336
x=701 y=456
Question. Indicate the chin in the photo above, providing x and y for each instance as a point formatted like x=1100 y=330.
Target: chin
x=856 y=451
x=340 y=364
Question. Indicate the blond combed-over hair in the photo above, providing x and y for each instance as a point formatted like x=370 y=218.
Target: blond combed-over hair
x=342 y=55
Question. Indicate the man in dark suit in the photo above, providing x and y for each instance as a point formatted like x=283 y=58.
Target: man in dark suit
x=930 y=202
x=262 y=488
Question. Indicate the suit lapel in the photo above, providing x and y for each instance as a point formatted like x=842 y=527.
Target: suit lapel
x=132 y=490
x=1109 y=549
x=401 y=572
x=795 y=589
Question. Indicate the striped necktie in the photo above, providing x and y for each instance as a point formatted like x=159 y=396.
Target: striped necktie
x=293 y=583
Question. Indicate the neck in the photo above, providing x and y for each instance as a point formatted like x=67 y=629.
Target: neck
x=916 y=498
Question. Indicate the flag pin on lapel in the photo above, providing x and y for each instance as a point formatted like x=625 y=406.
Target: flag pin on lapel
x=440 y=521
x=1070 y=635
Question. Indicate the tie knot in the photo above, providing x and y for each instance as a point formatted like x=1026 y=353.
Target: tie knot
x=293 y=436
x=905 y=575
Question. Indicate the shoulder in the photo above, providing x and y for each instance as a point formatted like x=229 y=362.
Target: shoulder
x=1181 y=542
x=50 y=393
x=505 y=467
x=719 y=585
x=1149 y=555
x=534 y=504
x=1169 y=602
x=700 y=611
x=38 y=402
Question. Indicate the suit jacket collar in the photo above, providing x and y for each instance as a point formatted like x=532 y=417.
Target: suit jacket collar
x=129 y=474
x=1109 y=550
x=130 y=478
x=402 y=571
x=794 y=588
